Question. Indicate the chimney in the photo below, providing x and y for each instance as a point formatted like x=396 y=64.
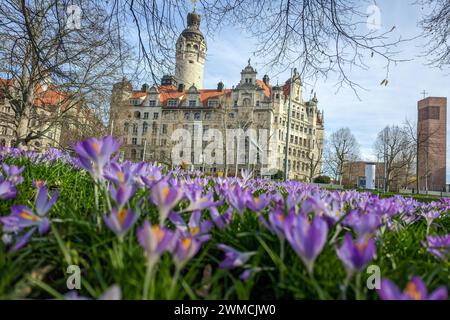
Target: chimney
x=181 y=87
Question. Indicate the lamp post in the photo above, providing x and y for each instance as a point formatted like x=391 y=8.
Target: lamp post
x=286 y=151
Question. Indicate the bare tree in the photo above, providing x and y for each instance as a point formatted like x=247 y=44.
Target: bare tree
x=54 y=64
x=340 y=148
x=314 y=159
x=324 y=37
x=391 y=145
x=436 y=29
x=422 y=142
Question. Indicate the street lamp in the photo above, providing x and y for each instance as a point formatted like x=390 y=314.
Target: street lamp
x=286 y=151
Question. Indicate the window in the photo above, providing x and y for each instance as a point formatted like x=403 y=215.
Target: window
x=213 y=103
x=144 y=127
x=192 y=103
x=137 y=115
x=164 y=128
x=145 y=115
x=231 y=115
x=135 y=102
x=134 y=141
x=155 y=116
x=187 y=115
x=154 y=128
x=126 y=127
x=207 y=115
x=257 y=103
x=163 y=142
x=172 y=103
x=152 y=103
x=197 y=116
x=235 y=103
x=205 y=129
x=135 y=129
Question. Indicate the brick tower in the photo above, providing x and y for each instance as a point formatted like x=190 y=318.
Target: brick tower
x=432 y=143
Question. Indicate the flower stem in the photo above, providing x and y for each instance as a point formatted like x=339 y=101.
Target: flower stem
x=173 y=282
x=148 y=277
x=358 y=287
x=316 y=285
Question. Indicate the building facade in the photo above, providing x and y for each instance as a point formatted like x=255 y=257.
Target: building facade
x=251 y=116
x=432 y=143
x=54 y=117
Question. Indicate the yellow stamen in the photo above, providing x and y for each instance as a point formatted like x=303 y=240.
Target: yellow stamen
x=165 y=192
x=95 y=147
x=412 y=291
x=122 y=214
x=186 y=243
x=28 y=215
x=256 y=199
x=281 y=217
x=195 y=230
x=121 y=177
x=159 y=234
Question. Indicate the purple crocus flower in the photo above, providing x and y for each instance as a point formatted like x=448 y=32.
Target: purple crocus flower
x=415 y=290
x=438 y=246
x=122 y=194
x=195 y=228
x=120 y=221
x=221 y=220
x=362 y=224
x=233 y=258
x=258 y=203
x=7 y=190
x=155 y=240
x=165 y=197
x=43 y=204
x=275 y=222
x=185 y=249
x=356 y=254
x=13 y=173
x=95 y=154
x=198 y=201
x=305 y=237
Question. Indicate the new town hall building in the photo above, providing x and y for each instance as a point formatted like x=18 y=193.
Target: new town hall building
x=147 y=119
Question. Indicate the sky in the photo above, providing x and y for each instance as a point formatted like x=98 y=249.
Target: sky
x=377 y=106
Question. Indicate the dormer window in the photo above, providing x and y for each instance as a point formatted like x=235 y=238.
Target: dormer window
x=213 y=103
x=192 y=103
x=172 y=103
x=135 y=102
x=152 y=103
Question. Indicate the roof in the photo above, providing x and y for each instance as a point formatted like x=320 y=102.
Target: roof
x=169 y=92
x=262 y=85
x=47 y=97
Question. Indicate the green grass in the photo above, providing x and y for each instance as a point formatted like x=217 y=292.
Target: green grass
x=39 y=270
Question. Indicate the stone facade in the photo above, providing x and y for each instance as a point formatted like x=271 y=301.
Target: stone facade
x=147 y=120
x=432 y=137
x=48 y=101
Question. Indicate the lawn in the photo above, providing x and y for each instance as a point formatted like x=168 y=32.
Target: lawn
x=138 y=231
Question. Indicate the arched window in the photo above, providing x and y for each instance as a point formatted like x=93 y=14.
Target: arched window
x=135 y=129
x=133 y=154
x=137 y=115
x=126 y=127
